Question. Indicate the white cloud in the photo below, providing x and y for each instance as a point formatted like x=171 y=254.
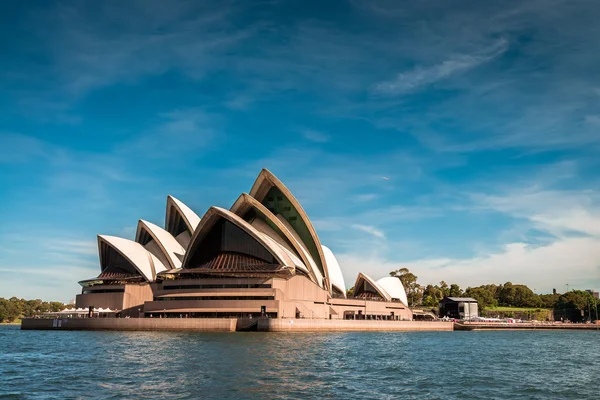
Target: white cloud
x=593 y=120
x=558 y=212
x=575 y=261
x=18 y=148
x=365 y=197
x=421 y=76
x=70 y=246
x=96 y=47
x=315 y=136
x=371 y=230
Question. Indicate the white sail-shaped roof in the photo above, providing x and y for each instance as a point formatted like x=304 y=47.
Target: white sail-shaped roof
x=178 y=213
x=214 y=214
x=170 y=248
x=290 y=258
x=335 y=272
x=285 y=234
x=393 y=286
x=316 y=274
x=137 y=256
x=360 y=281
x=272 y=193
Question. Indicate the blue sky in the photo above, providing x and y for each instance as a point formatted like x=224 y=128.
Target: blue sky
x=485 y=117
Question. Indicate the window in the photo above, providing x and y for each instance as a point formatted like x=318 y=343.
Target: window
x=214 y=298
x=220 y=286
x=90 y=291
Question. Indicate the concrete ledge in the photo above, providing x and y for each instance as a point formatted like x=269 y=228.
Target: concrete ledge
x=327 y=325
x=132 y=324
x=522 y=326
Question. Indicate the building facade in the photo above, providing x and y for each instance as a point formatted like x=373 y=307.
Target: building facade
x=260 y=258
x=459 y=308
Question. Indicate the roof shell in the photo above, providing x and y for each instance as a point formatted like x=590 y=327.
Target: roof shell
x=365 y=278
x=191 y=218
x=263 y=184
x=167 y=243
x=143 y=261
x=290 y=258
x=393 y=286
x=246 y=202
x=213 y=215
x=335 y=272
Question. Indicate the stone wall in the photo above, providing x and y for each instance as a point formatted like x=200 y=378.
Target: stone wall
x=313 y=325
x=132 y=324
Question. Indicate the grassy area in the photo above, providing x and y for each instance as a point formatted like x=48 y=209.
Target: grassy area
x=513 y=309
x=540 y=314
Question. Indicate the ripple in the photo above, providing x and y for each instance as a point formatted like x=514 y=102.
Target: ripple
x=386 y=365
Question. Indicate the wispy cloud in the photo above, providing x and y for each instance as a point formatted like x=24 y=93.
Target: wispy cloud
x=422 y=76
x=365 y=197
x=120 y=110
x=371 y=230
x=558 y=212
x=74 y=247
x=315 y=136
x=178 y=132
x=97 y=48
x=19 y=148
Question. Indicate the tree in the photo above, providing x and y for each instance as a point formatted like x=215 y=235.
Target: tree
x=432 y=296
x=549 y=300
x=409 y=281
x=506 y=296
x=455 y=290
x=445 y=289
x=350 y=292
x=14 y=308
x=574 y=305
x=485 y=295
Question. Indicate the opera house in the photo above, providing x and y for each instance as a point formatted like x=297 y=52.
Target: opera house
x=261 y=258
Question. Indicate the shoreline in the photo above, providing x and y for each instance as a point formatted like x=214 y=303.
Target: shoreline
x=277 y=325
x=231 y=325
x=458 y=326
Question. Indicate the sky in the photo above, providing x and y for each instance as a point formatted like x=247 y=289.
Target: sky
x=458 y=139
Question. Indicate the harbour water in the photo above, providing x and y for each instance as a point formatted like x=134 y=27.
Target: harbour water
x=386 y=365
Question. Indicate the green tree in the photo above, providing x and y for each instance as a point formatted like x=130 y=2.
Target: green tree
x=432 y=296
x=549 y=300
x=14 y=308
x=445 y=289
x=574 y=305
x=409 y=281
x=455 y=290
x=485 y=295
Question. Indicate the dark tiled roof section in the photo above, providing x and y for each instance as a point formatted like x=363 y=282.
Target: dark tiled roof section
x=234 y=262
x=117 y=275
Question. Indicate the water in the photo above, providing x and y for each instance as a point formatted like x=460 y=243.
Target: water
x=414 y=365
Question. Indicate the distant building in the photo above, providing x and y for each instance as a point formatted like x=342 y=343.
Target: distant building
x=458 y=307
x=594 y=294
